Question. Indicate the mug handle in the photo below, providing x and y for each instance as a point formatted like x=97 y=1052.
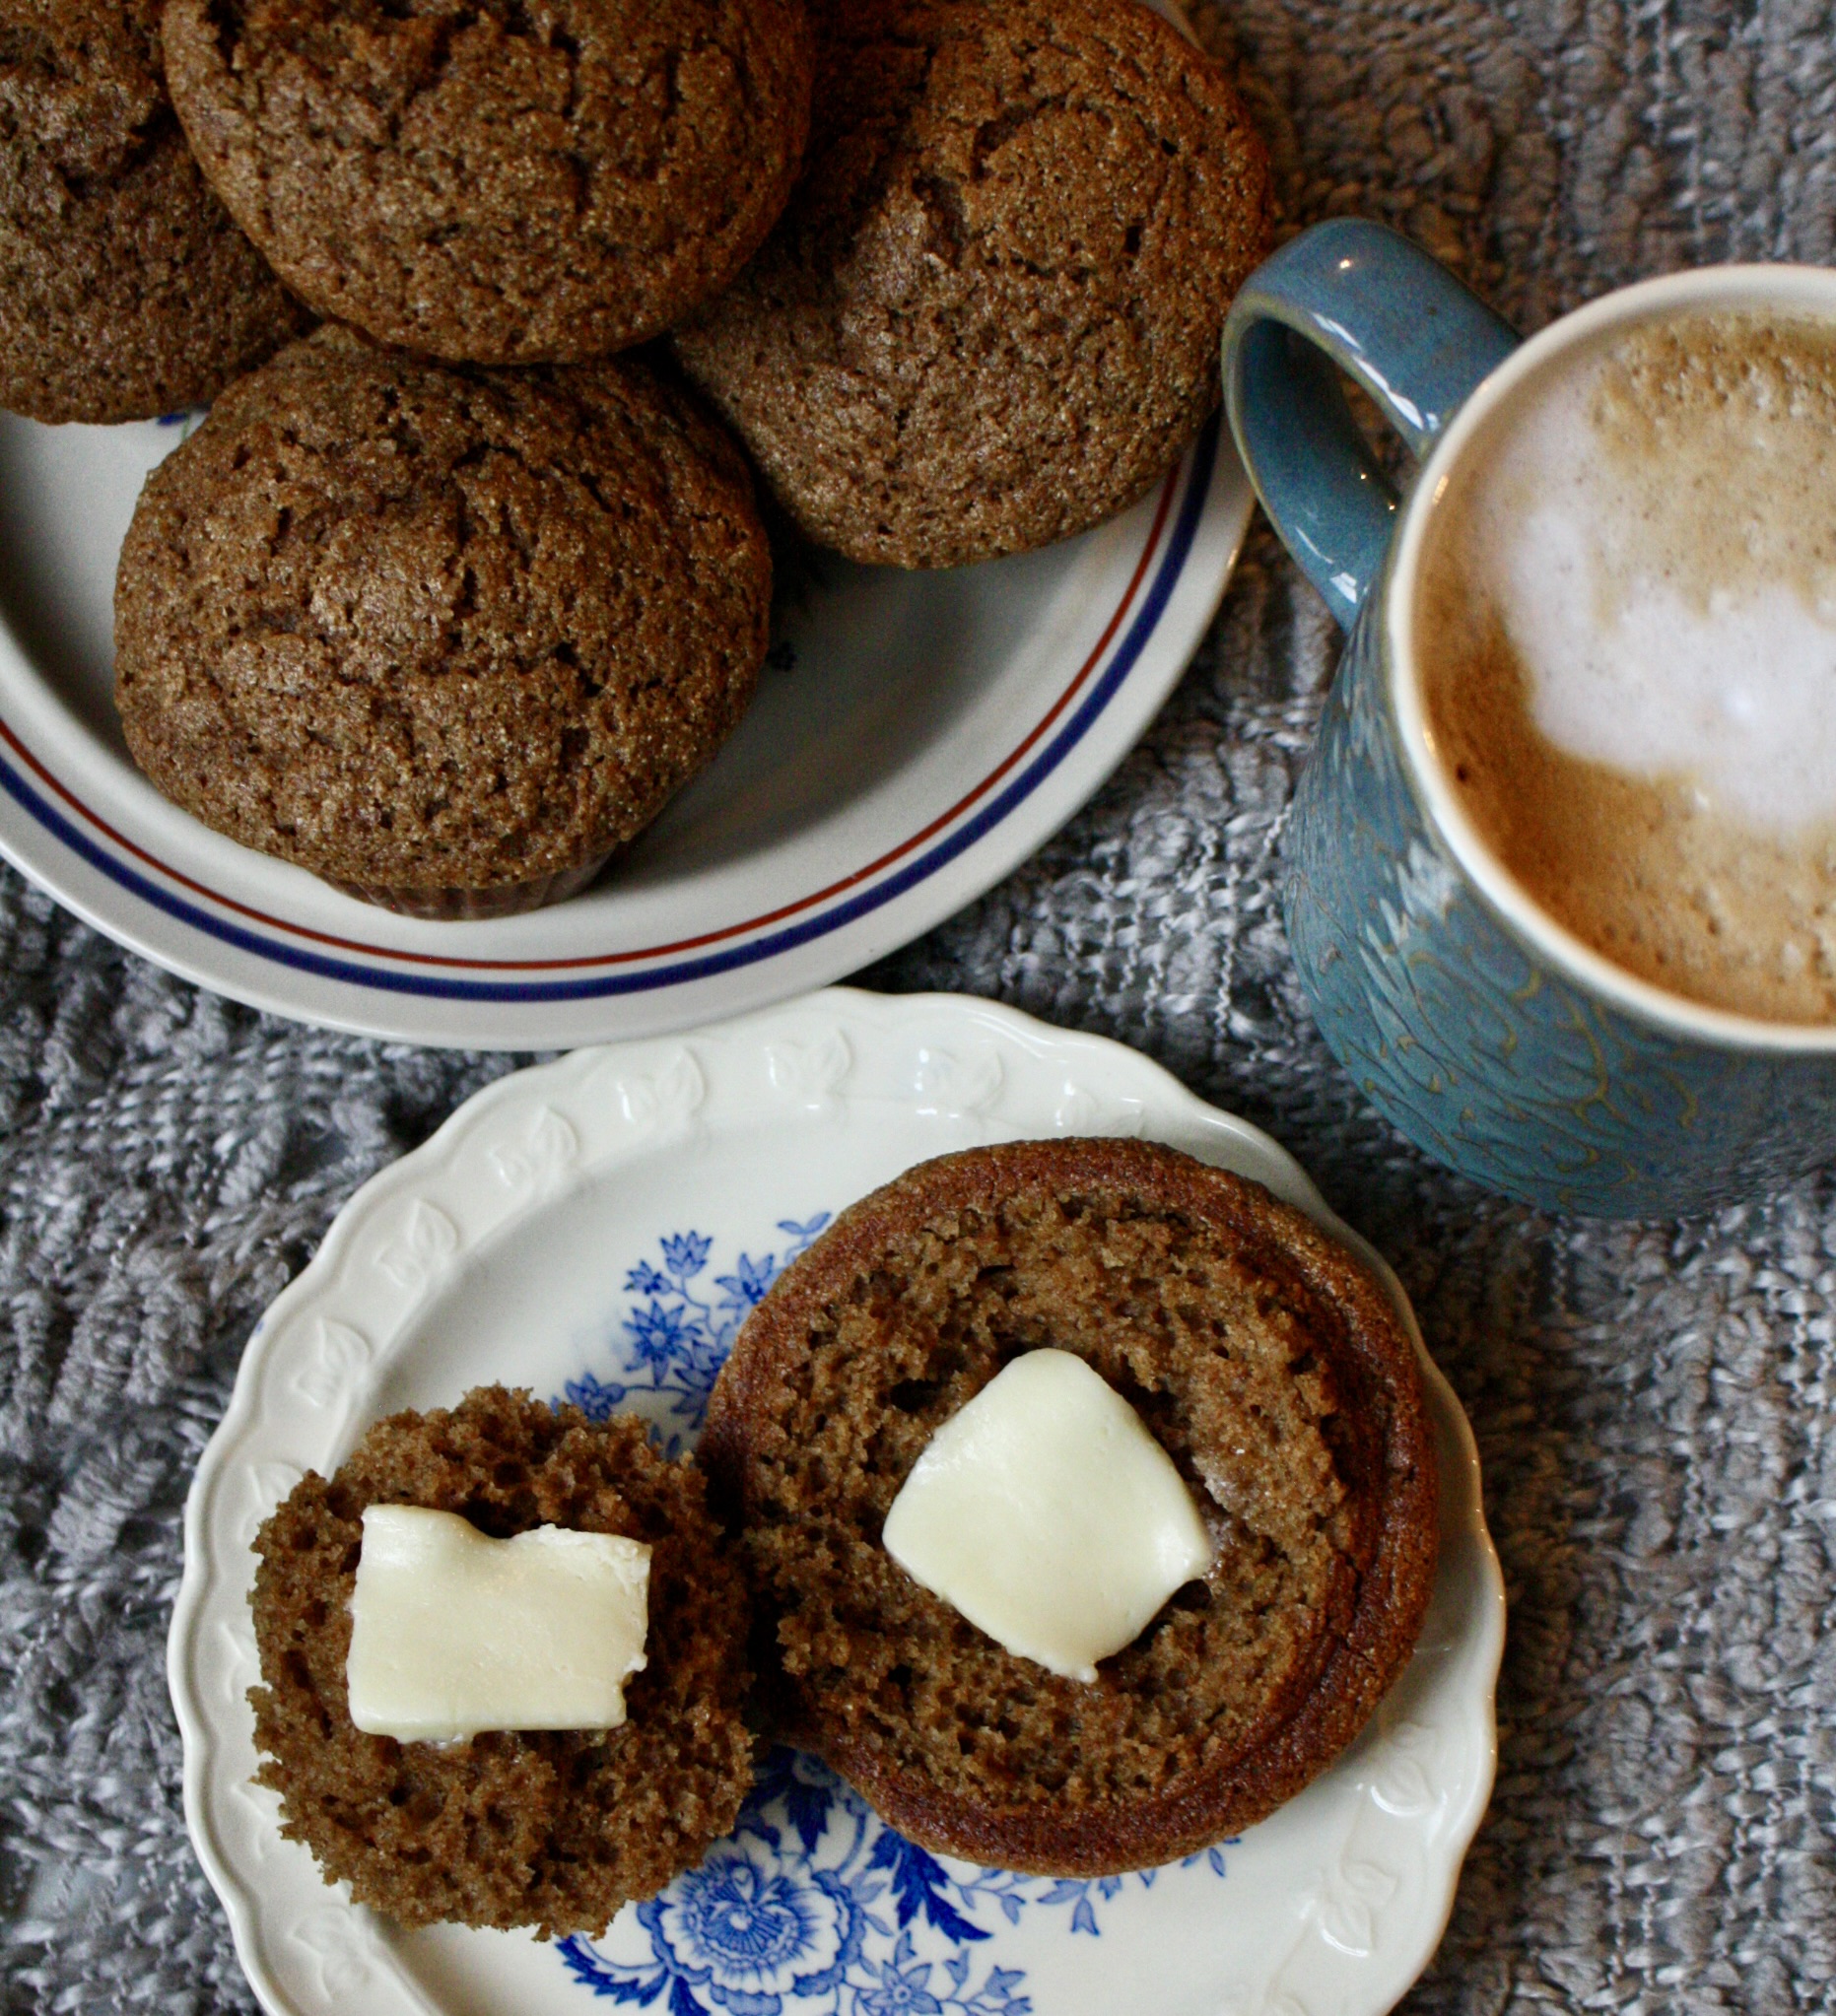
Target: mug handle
x=1364 y=298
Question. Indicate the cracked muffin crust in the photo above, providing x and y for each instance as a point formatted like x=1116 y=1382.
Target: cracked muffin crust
x=495 y=180
x=444 y=637
x=552 y=1828
x=1263 y=1358
x=127 y=289
x=991 y=315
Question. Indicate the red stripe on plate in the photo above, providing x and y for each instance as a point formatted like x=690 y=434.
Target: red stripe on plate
x=789 y=910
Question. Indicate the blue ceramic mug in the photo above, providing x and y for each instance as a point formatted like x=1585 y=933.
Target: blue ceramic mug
x=1489 y=1034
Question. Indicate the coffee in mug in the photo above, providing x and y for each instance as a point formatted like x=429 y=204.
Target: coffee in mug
x=1625 y=622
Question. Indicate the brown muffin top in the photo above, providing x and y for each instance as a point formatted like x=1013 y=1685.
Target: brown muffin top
x=125 y=289
x=420 y=627
x=479 y=180
x=1266 y=1361
x=552 y=1827
x=991 y=315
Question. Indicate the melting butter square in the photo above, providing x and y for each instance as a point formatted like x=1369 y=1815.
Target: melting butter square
x=453 y=1633
x=1048 y=1517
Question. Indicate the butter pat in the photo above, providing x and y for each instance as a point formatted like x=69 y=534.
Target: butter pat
x=452 y=1633
x=1047 y=1514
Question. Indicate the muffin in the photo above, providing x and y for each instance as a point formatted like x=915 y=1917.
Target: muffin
x=1264 y=1361
x=444 y=638
x=494 y=183
x=126 y=291
x=991 y=315
x=551 y=1829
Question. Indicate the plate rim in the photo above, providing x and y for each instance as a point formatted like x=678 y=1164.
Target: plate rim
x=1206 y=509
x=856 y=1012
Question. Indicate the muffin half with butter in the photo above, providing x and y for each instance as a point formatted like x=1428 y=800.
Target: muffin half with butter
x=535 y=1622
x=1088 y=1497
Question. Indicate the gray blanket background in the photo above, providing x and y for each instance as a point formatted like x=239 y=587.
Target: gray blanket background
x=1656 y=1405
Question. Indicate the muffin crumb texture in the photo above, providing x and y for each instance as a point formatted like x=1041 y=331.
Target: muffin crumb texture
x=991 y=315
x=126 y=291
x=1263 y=1359
x=423 y=630
x=551 y=1829
x=482 y=180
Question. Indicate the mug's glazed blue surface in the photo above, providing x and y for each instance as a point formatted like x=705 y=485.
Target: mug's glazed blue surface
x=1480 y=1051
x=1457 y=1027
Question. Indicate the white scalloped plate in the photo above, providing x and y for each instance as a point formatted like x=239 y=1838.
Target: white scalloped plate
x=598 y=1225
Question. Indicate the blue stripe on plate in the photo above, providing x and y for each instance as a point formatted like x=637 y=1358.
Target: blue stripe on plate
x=919 y=871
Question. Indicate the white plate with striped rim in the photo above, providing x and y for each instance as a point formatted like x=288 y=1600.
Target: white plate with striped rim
x=915 y=738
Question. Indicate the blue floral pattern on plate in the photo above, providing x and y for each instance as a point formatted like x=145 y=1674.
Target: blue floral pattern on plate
x=811 y=1906
x=677 y=1336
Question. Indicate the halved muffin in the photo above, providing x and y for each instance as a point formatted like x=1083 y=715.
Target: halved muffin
x=555 y=1829
x=1264 y=1359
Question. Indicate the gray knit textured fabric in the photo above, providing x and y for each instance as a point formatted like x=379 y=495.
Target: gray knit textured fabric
x=1656 y=1405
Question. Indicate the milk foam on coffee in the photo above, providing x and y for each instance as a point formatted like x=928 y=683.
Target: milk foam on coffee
x=1628 y=638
